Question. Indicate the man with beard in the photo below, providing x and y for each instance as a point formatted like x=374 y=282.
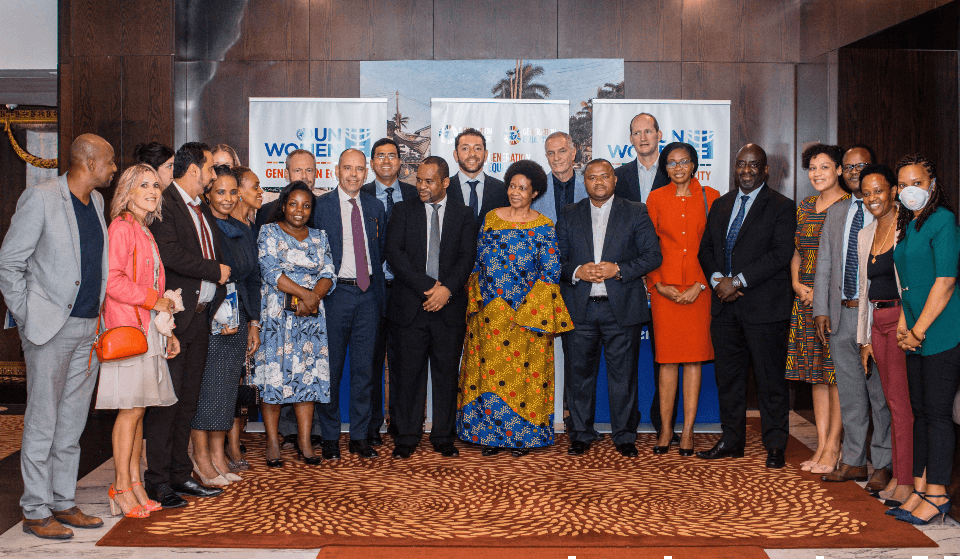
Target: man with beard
x=471 y=186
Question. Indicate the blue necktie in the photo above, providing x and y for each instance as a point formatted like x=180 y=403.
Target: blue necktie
x=474 y=201
x=732 y=236
x=850 y=263
x=389 y=192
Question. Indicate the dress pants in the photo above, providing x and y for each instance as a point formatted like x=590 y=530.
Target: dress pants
x=621 y=348
x=167 y=428
x=353 y=317
x=383 y=352
x=59 y=387
x=737 y=344
x=892 y=365
x=933 y=381
x=427 y=338
x=859 y=397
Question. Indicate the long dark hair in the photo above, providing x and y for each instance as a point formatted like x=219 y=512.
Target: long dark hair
x=154 y=154
x=937 y=200
x=277 y=214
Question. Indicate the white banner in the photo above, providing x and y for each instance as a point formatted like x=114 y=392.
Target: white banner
x=703 y=124
x=515 y=129
x=324 y=127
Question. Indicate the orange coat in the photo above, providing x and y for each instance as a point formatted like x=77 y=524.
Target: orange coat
x=679 y=222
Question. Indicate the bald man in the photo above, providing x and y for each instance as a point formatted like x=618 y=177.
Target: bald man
x=53 y=275
x=355 y=223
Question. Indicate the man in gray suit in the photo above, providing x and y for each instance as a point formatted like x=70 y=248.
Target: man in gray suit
x=836 y=292
x=53 y=275
x=564 y=185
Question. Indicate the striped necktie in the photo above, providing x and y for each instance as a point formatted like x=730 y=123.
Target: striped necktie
x=850 y=262
x=732 y=236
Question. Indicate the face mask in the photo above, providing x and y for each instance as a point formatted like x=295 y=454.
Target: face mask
x=915 y=198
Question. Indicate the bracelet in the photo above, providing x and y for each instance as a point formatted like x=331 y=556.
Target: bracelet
x=918 y=338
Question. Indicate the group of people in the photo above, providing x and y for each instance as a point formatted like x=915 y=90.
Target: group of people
x=473 y=279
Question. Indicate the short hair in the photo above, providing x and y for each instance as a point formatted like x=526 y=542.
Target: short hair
x=470 y=132
x=277 y=214
x=229 y=150
x=286 y=162
x=560 y=134
x=833 y=152
x=129 y=180
x=442 y=166
x=868 y=149
x=879 y=169
x=153 y=154
x=656 y=125
x=239 y=171
x=596 y=161
x=691 y=151
x=385 y=142
x=190 y=153
x=534 y=173
x=937 y=200
x=219 y=171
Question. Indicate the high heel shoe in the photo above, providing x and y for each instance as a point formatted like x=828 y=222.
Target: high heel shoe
x=308 y=460
x=685 y=451
x=228 y=475
x=661 y=449
x=218 y=481
x=898 y=512
x=138 y=511
x=150 y=505
x=942 y=511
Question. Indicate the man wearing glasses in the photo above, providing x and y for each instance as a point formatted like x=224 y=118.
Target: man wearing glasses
x=385 y=160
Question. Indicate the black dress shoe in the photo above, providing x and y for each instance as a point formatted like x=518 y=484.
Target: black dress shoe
x=330 y=450
x=275 y=463
x=775 y=458
x=376 y=439
x=490 y=451
x=362 y=449
x=194 y=489
x=392 y=430
x=721 y=450
x=577 y=448
x=518 y=452
x=316 y=441
x=288 y=442
x=627 y=449
x=403 y=451
x=163 y=494
x=661 y=449
x=447 y=450
x=685 y=451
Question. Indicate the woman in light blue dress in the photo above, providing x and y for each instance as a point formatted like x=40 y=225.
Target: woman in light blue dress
x=293 y=359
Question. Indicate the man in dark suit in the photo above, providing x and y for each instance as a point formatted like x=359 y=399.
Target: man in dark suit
x=301 y=166
x=746 y=251
x=354 y=222
x=471 y=186
x=432 y=248
x=189 y=244
x=385 y=161
x=607 y=244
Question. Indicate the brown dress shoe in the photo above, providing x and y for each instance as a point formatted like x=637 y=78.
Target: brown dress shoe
x=75 y=517
x=846 y=473
x=879 y=480
x=47 y=528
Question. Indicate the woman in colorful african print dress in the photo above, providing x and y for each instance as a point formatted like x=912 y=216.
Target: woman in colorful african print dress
x=807 y=359
x=514 y=312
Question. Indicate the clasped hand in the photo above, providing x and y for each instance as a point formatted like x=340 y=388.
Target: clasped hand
x=597 y=273
x=308 y=304
x=726 y=291
x=437 y=297
x=685 y=297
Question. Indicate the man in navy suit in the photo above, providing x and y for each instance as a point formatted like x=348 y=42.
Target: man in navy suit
x=471 y=186
x=354 y=222
x=607 y=244
x=385 y=161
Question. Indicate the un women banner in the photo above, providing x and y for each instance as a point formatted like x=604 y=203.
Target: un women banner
x=515 y=129
x=703 y=124
x=324 y=127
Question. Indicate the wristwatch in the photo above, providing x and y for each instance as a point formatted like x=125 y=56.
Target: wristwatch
x=736 y=282
x=619 y=276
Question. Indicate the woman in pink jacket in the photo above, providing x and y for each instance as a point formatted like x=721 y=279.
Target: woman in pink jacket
x=134 y=287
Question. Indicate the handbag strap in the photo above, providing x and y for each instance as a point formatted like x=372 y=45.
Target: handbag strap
x=706 y=208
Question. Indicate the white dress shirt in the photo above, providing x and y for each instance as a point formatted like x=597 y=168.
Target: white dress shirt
x=441 y=211
x=348 y=263
x=207 y=289
x=646 y=177
x=465 y=189
x=867 y=220
x=598 y=222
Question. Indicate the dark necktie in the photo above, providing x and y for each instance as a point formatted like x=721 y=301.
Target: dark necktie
x=732 y=236
x=359 y=247
x=850 y=262
x=389 y=192
x=433 y=248
x=207 y=244
x=474 y=201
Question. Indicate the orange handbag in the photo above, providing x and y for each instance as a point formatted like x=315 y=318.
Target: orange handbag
x=123 y=341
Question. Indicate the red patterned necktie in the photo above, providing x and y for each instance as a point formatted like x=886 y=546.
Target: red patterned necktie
x=359 y=247
x=207 y=244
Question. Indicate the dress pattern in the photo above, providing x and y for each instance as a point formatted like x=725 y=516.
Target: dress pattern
x=293 y=362
x=807 y=359
x=513 y=313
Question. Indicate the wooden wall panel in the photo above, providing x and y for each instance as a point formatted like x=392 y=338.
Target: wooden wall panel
x=371 y=30
x=96 y=82
x=494 y=29
x=147 y=103
x=635 y=30
x=813 y=94
x=268 y=30
x=651 y=80
x=762 y=109
x=741 y=31
x=334 y=79
x=64 y=114
x=95 y=27
x=147 y=27
x=13 y=181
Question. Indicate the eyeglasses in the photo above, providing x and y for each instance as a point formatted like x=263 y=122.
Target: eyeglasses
x=858 y=167
x=672 y=164
x=386 y=156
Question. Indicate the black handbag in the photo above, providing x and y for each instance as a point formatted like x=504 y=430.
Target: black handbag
x=247 y=394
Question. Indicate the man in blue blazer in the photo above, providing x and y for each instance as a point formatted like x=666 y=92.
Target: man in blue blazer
x=354 y=222
x=607 y=244
x=564 y=185
x=470 y=185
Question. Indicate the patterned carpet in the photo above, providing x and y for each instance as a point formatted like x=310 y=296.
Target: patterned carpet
x=11 y=434
x=544 y=499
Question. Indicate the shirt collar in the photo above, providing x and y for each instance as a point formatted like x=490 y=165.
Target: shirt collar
x=442 y=203
x=344 y=197
x=752 y=195
x=568 y=182
x=653 y=168
x=604 y=206
x=464 y=178
x=381 y=188
x=186 y=197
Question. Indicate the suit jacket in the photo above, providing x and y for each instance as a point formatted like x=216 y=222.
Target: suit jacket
x=407 y=190
x=628 y=181
x=182 y=255
x=864 y=246
x=547 y=204
x=406 y=252
x=494 y=194
x=828 y=279
x=263 y=214
x=40 y=259
x=326 y=216
x=762 y=253
x=630 y=241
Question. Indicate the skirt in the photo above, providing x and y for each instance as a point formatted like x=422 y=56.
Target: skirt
x=137 y=382
x=682 y=331
x=221 y=379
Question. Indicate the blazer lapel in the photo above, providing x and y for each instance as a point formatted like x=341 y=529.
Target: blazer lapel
x=419 y=222
x=453 y=189
x=755 y=209
x=616 y=213
x=72 y=221
x=586 y=223
x=174 y=197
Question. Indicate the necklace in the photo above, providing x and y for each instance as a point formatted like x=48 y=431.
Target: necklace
x=887 y=236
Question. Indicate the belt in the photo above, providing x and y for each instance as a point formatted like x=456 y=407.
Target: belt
x=347 y=281
x=598 y=298
x=885 y=304
x=201 y=307
x=850 y=303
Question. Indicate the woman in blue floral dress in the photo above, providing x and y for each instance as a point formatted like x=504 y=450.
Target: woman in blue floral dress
x=293 y=360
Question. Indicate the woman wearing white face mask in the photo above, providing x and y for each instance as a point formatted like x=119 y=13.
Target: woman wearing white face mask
x=926 y=258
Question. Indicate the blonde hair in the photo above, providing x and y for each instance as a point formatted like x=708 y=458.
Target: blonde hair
x=129 y=180
x=229 y=150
